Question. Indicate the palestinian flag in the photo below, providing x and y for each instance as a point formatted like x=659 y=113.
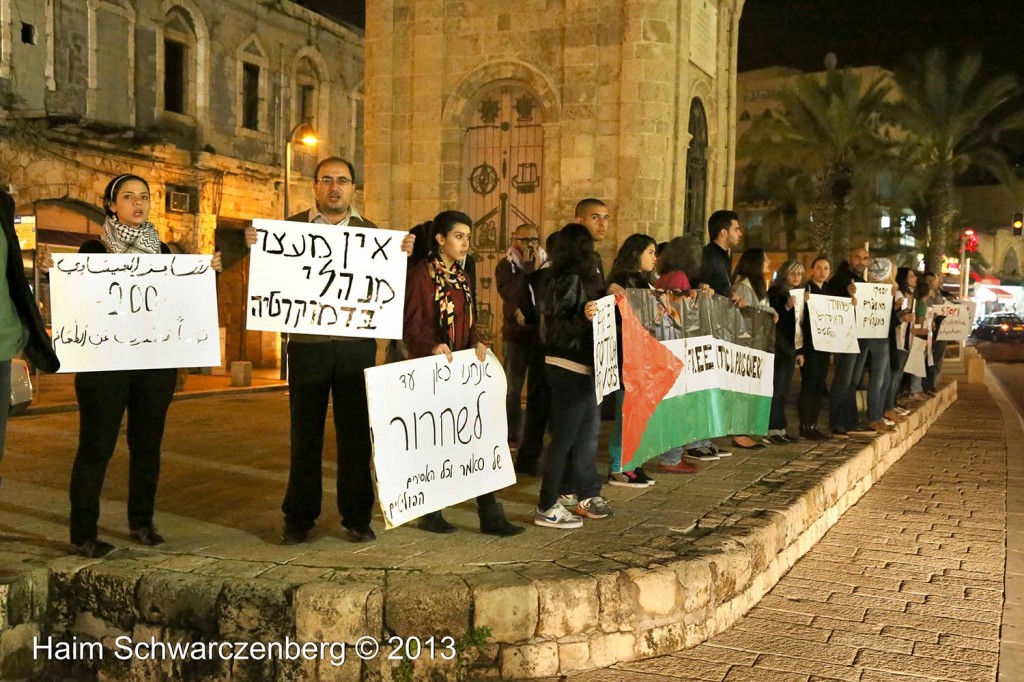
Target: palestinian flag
x=716 y=380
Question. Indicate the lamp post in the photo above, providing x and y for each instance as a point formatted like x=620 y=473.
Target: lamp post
x=305 y=135
x=964 y=238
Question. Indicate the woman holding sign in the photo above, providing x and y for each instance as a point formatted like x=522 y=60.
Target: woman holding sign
x=103 y=397
x=749 y=285
x=440 y=320
x=787 y=356
x=815 y=369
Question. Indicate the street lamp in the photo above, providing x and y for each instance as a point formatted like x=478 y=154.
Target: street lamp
x=304 y=134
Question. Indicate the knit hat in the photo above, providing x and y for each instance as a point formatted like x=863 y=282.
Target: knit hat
x=880 y=270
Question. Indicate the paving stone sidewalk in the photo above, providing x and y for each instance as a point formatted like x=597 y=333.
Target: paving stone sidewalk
x=906 y=587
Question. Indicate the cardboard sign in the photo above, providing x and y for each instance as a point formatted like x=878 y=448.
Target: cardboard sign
x=606 y=348
x=833 y=324
x=959 y=320
x=440 y=434
x=874 y=310
x=117 y=311
x=324 y=279
x=917 y=358
x=798 y=294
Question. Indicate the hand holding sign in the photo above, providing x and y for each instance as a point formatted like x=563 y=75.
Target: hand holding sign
x=833 y=324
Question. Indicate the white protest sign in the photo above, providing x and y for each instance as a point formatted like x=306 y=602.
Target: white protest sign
x=916 y=360
x=833 y=324
x=117 y=311
x=798 y=310
x=440 y=434
x=324 y=279
x=874 y=310
x=606 y=348
x=959 y=320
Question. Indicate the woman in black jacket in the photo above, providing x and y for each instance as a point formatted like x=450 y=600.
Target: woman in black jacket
x=787 y=356
x=104 y=397
x=569 y=305
x=815 y=367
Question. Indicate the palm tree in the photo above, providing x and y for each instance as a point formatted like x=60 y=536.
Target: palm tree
x=828 y=137
x=950 y=120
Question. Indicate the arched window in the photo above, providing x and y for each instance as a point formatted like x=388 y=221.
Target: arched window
x=306 y=105
x=252 y=89
x=179 y=51
x=696 y=170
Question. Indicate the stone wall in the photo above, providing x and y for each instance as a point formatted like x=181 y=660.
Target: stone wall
x=612 y=83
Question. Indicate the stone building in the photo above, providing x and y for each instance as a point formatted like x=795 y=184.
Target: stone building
x=515 y=111
x=197 y=96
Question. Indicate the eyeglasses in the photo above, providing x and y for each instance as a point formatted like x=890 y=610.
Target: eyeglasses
x=340 y=182
x=528 y=240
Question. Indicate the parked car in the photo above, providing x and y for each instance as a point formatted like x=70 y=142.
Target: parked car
x=21 y=386
x=1000 y=327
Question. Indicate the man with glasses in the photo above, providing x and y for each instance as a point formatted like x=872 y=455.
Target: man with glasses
x=524 y=359
x=320 y=367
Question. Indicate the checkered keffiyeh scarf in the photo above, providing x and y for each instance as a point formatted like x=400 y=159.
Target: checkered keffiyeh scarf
x=446 y=282
x=120 y=238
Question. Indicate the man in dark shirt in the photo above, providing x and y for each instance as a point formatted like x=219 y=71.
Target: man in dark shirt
x=843 y=393
x=724 y=233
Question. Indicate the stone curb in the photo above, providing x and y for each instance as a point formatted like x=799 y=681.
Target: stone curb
x=545 y=619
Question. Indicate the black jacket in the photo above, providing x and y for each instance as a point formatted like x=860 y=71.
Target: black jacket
x=715 y=270
x=841 y=281
x=565 y=330
x=39 y=348
x=785 y=329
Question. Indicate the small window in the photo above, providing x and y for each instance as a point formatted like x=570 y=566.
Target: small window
x=174 y=76
x=307 y=103
x=28 y=33
x=250 y=96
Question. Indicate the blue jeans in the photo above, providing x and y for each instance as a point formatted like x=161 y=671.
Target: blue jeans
x=843 y=392
x=575 y=420
x=878 y=351
x=931 y=381
x=892 y=388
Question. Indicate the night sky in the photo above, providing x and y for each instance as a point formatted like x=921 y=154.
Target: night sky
x=799 y=33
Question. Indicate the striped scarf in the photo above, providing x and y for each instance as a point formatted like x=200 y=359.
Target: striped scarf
x=120 y=238
x=446 y=282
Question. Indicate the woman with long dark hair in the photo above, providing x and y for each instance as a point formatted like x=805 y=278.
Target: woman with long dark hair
x=440 y=319
x=815 y=370
x=633 y=268
x=787 y=356
x=749 y=285
x=573 y=287
x=104 y=397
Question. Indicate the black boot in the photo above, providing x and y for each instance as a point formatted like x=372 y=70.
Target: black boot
x=493 y=521
x=435 y=523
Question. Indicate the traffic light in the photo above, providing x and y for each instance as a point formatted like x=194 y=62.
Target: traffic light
x=1018 y=224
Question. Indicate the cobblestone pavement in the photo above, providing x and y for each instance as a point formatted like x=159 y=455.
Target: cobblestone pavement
x=907 y=586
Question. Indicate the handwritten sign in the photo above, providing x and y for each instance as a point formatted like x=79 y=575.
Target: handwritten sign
x=874 y=310
x=833 y=324
x=606 y=349
x=440 y=435
x=959 y=319
x=324 y=279
x=117 y=311
x=798 y=311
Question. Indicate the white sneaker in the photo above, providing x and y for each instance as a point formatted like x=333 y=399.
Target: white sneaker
x=557 y=517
